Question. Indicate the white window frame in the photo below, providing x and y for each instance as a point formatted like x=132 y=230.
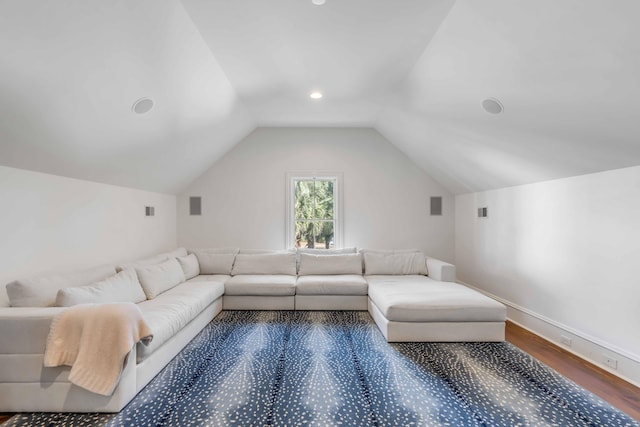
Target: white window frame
x=290 y=225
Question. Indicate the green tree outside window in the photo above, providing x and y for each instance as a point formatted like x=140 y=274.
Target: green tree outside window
x=314 y=213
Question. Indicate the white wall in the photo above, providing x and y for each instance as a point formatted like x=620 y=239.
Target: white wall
x=565 y=256
x=386 y=196
x=52 y=223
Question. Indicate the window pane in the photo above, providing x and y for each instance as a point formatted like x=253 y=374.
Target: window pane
x=304 y=234
x=304 y=200
x=323 y=234
x=324 y=199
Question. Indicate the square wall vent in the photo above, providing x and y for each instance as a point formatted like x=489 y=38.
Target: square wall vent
x=436 y=206
x=195 y=205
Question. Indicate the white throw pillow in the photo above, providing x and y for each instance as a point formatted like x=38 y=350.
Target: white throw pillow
x=214 y=263
x=157 y=259
x=41 y=291
x=273 y=263
x=156 y=279
x=330 y=264
x=122 y=287
x=190 y=266
x=395 y=263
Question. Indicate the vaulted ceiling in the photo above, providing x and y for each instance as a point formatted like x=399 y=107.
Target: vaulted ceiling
x=566 y=71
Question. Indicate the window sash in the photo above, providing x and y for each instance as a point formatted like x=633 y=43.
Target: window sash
x=291 y=219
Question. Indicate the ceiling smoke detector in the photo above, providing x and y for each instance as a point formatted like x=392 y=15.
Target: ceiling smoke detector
x=492 y=106
x=142 y=105
x=318 y=2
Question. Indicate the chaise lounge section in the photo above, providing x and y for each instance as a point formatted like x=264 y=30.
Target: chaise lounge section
x=418 y=308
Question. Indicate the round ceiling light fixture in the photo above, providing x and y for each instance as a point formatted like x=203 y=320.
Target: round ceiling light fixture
x=142 y=105
x=492 y=106
x=315 y=95
x=318 y=2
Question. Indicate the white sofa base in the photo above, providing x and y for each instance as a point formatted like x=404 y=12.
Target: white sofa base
x=437 y=331
x=258 y=302
x=331 y=302
x=62 y=396
x=54 y=393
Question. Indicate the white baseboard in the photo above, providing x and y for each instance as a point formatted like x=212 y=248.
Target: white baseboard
x=583 y=345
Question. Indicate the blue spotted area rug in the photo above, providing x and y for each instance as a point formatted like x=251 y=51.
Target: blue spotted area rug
x=299 y=368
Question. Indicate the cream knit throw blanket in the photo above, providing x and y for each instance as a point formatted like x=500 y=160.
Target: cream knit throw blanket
x=95 y=340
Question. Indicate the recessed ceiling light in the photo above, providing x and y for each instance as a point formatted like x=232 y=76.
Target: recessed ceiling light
x=142 y=105
x=318 y=2
x=492 y=106
x=315 y=95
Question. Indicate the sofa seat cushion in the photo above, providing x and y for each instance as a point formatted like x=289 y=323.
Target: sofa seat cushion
x=222 y=278
x=261 y=284
x=421 y=299
x=172 y=310
x=341 y=284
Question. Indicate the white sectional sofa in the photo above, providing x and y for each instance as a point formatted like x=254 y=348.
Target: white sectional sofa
x=410 y=297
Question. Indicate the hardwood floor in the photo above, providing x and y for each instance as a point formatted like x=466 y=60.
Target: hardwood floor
x=617 y=392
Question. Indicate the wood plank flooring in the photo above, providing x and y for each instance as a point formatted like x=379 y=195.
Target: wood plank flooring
x=617 y=392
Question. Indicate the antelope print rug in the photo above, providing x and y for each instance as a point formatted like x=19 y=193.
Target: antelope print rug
x=326 y=368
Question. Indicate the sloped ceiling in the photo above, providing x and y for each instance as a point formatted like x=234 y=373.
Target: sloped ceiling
x=567 y=72
x=70 y=72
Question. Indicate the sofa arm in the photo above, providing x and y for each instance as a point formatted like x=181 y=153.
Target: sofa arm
x=24 y=330
x=440 y=270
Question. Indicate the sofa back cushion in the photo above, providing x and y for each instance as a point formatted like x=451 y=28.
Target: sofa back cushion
x=315 y=251
x=349 y=263
x=270 y=263
x=190 y=266
x=227 y=250
x=265 y=251
x=400 y=263
x=122 y=287
x=158 y=278
x=215 y=263
x=41 y=291
x=388 y=251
